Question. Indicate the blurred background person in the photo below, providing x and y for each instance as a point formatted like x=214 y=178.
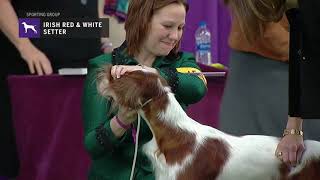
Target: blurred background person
x=255 y=96
x=116 y=12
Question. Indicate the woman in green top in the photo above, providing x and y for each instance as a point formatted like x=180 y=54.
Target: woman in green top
x=153 y=33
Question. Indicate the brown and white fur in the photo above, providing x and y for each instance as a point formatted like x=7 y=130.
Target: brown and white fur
x=183 y=149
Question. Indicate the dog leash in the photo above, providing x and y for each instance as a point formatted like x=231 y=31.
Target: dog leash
x=135 y=135
x=136 y=138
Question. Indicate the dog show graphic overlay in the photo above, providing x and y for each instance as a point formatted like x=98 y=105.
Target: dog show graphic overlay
x=58 y=27
x=29 y=27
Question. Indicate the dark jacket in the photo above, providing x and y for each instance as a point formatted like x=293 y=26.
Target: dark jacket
x=304 y=59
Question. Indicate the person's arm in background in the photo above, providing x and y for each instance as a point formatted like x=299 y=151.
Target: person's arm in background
x=101 y=4
x=106 y=44
x=291 y=145
x=36 y=60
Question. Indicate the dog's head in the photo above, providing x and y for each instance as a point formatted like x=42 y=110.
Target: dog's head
x=133 y=89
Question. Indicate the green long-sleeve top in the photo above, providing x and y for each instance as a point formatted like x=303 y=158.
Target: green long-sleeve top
x=112 y=157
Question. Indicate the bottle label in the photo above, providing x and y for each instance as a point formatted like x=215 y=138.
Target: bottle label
x=204 y=47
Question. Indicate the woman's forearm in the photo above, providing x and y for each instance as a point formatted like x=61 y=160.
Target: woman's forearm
x=116 y=129
x=9 y=25
x=294 y=123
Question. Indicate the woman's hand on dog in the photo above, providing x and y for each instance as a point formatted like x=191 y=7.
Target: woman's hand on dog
x=291 y=146
x=126 y=115
x=118 y=70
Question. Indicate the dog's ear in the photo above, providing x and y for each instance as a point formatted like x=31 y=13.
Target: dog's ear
x=104 y=79
x=133 y=88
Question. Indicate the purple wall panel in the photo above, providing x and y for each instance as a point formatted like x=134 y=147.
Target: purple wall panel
x=218 y=20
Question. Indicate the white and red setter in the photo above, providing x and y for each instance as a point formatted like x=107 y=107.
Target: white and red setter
x=183 y=149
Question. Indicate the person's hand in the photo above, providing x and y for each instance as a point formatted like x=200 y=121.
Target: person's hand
x=37 y=61
x=118 y=70
x=291 y=146
x=126 y=115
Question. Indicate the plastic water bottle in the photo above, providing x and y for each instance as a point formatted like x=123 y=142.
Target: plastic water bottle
x=203 y=44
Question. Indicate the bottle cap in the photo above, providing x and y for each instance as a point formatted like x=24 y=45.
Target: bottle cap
x=202 y=23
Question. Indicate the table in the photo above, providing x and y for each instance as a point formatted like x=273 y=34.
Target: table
x=207 y=110
x=49 y=132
